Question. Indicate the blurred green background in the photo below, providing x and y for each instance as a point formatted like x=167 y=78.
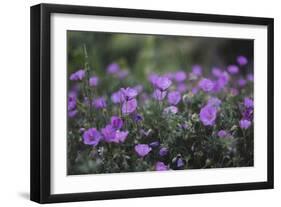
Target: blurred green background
x=143 y=54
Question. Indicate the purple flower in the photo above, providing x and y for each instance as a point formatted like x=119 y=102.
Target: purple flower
x=194 y=90
x=223 y=79
x=163 y=151
x=244 y=124
x=117 y=97
x=248 y=113
x=160 y=166
x=71 y=102
x=154 y=144
x=214 y=101
x=99 y=103
x=120 y=136
x=108 y=133
x=72 y=113
x=129 y=106
x=222 y=133
x=180 y=163
x=233 y=69
x=206 y=85
x=163 y=83
x=180 y=76
x=116 y=122
x=128 y=93
x=216 y=72
x=93 y=81
x=242 y=60
x=137 y=117
x=241 y=82
x=142 y=149
x=208 y=115
x=197 y=70
x=92 y=137
x=78 y=75
x=181 y=87
x=250 y=77
x=159 y=95
x=248 y=102
x=153 y=78
x=171 y=109
x=174 y=97
x=113 y=68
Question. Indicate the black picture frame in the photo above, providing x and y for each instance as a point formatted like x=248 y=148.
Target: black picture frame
x=41 y=96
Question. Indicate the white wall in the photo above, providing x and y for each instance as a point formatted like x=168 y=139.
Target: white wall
x=14 y=101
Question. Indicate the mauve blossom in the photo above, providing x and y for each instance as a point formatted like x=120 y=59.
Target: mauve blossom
x=233 y=69
x=180 y=76
x=116 y=122
x=78 y=75
x=241 y=82
x=72 y=113
x=181 y=87
x=130 y=106
x=153 y=78
x=171 y=109
x=117 y=97
x=248 y=113
x=160 y=166
x=129 y=93
x=120 y=136
x=113 y=68
x=137 y=117
x=159 y=95
x=248 y=102
x=221 y=82
x=142 y=149
x=174 y=97
x=180 y=163
x=223 y=79
x=108 y=133
x=222 y=133
x=71 y=102
x=163 y=151
x=242 y=60
x=206 y=85
x=208 y=115
x=92 y=137
x=216 y=72
x=194 y=90
x=93 y=81
x=250 y=77
x=214 y=101
x=197 y=70
x=244 y=124
x=99 y=103
x=163 y=83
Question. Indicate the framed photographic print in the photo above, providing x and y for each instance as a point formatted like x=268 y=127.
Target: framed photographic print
x=132 y=103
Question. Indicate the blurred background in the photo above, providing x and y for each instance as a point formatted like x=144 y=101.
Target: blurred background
x=142 y=54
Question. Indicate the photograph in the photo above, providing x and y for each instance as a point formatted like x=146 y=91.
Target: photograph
x=152 y=102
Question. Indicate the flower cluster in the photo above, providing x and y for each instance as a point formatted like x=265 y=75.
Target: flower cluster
x=184 y=119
